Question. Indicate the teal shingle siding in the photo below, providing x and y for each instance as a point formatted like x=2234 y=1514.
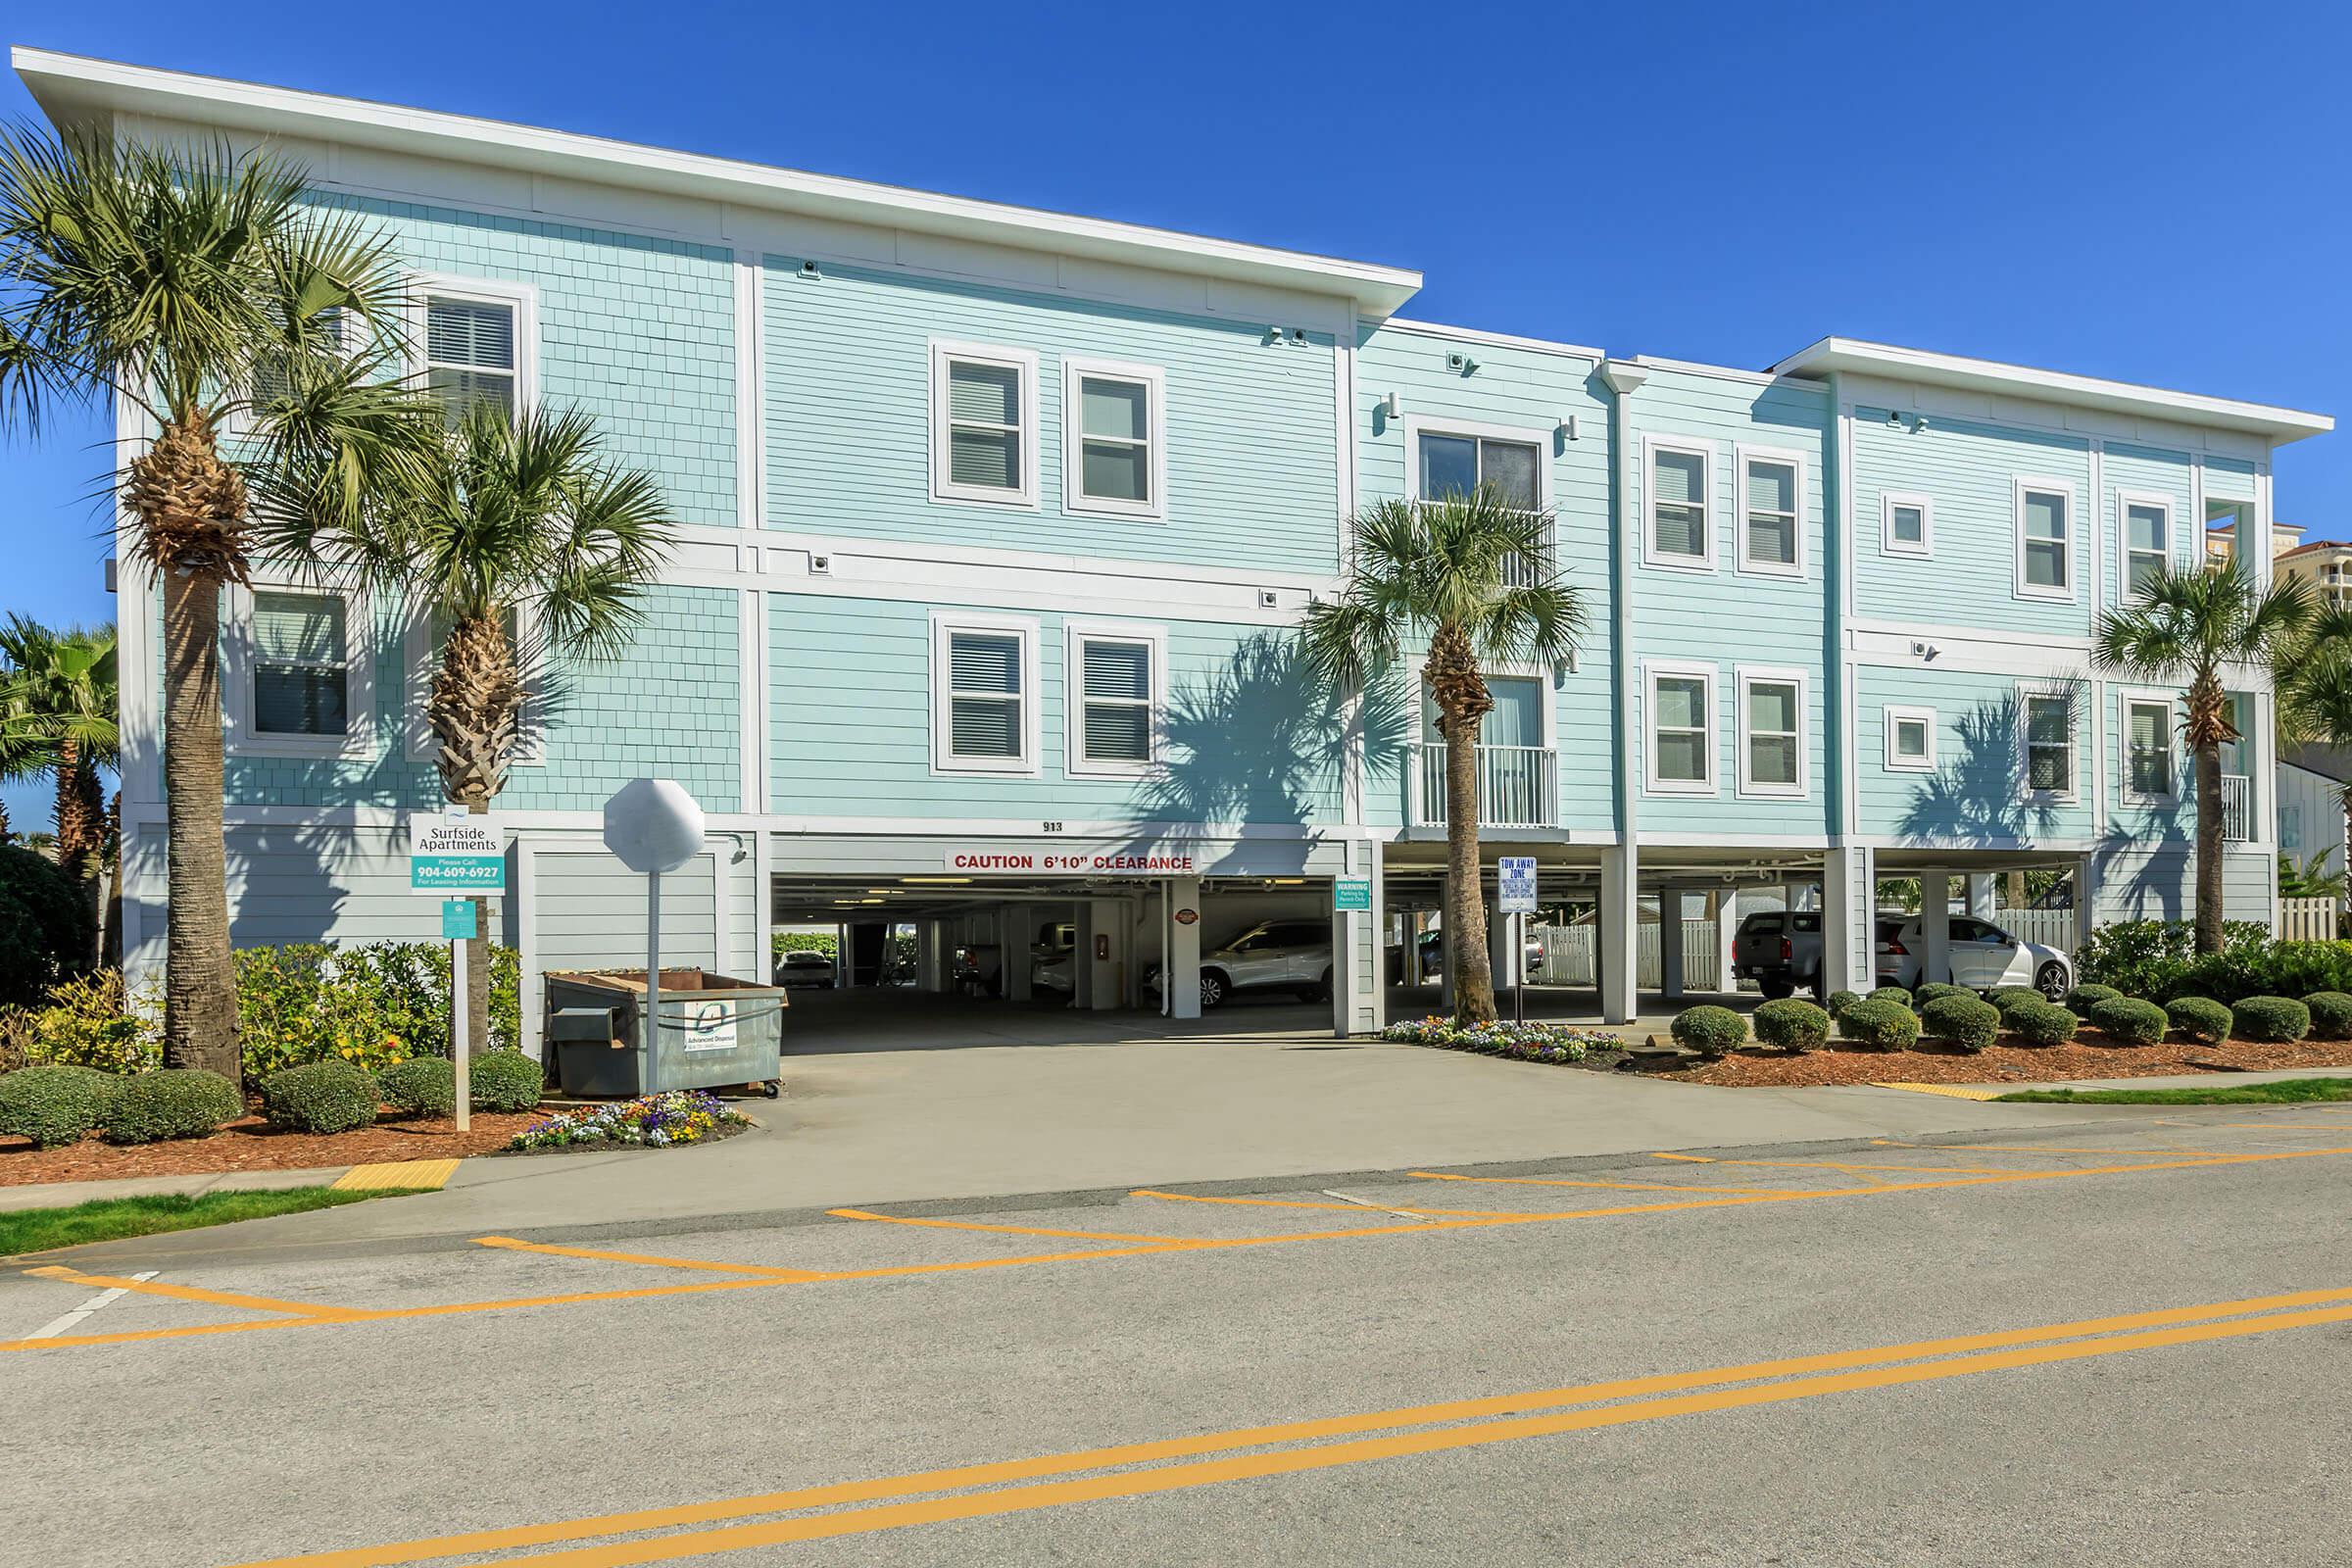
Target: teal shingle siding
x=1253 y=459
x=1975 y=795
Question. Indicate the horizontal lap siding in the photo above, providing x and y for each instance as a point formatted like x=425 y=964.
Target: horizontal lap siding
x=590 y=913
x=851 y=717
x=1528 y=390
x=2150 y=472
x=1252 y=457
x=639 y=333
x=2138 y=883
x=1726 y=618
x=1975 y=795
x=1968 y=469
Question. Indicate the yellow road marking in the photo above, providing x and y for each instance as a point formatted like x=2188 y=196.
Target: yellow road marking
x=762 y=1270
x=1948 y=1091
x=1343 y=1208
x=1852 y=1165
x=1103 y=1253
x=1562 y=1181
x=2291 y=1126
x=429 y=1174
x=190 y=1293
x=1001 y=1230
x=1695 y=1159
x=1505 y=1418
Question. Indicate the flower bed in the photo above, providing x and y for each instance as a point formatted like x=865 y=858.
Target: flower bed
x=655 y=1121
x=1552 y=1043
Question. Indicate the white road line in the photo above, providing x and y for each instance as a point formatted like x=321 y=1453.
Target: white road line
x=1366 y=1202
x=86 y=1309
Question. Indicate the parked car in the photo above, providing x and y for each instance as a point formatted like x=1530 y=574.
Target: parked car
x=979 y=970
x=1983 y=957
x=1779 y=949
x=1430 y=947
x=1050 y=956
x=1274 y=956
x=805 y=969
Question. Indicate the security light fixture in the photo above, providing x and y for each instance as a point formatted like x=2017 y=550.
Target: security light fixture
x=1461 y=364
x=820 y=565
x=1388 y=407
x=1895 y=419
x=1919 y=424
x=1569 y=427
x=1267 y=599
x=1298 y=336
x=808 y=270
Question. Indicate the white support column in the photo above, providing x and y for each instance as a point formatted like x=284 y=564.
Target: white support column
x=931 y=957
x=1012 y=951
x=2086 y=892
x=1670 y=943
x=1981 y=894
x=1936 y=927
x=1359 y=957
x=1848 y=902
x=1618 y=932
x=1181 y=974
x=1727 y=929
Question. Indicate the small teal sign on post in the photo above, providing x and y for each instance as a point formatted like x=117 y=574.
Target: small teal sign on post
x=1351 y=893
x=457 y=919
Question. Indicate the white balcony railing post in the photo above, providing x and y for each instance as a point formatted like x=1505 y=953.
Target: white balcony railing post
x=1518 y=786
x=2238 y=809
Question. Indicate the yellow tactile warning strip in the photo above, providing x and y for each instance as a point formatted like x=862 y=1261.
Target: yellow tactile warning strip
x=426 y=1173
x=1948 y=1091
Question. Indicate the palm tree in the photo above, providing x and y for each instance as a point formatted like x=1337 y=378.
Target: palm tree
x=201 y=288
x=56 y=716
x=2187 y=626
x=518 y=543
x=2314 y=694
x=1475 y=575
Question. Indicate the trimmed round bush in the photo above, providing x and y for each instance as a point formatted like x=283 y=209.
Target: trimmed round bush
x=1935 y=989
x=510 y=1081
x=2131 y=1020
x=2330 y=1014
x=1840 y=1001
x=2201 y=1018
x=421 y=1086
x=55 y=1105
x=1709 y=1030
x=2278 y=1020
x=318 y=1097
x=172 y=1102
x=2085 y=999
x=2011 y=998
x=1962 y=1021
x=1792 y=1024
x=2042 y=1024
x=1894 y=993
x=1882 y=1025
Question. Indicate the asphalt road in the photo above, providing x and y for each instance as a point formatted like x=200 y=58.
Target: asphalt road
x=2116 y=1342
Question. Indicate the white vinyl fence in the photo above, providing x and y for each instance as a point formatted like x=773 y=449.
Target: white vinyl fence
x=1568 y=957
x=2052 y=928
x=2307 y=919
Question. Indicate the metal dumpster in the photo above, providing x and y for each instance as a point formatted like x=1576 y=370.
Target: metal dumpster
x=716 y=1032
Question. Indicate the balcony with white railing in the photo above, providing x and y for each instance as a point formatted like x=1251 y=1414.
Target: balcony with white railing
x=2238 y=809
x=1518 y=786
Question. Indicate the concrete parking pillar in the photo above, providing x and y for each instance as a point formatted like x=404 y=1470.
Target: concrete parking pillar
x=1617 y=932
x=1935 y=927
x=1727 y=928
x=1094 y=960
x=1012 y=950
x=931 y=964
x=1182 y=975
x=1981 y=894
x=1848 y=902
x=1670 y=943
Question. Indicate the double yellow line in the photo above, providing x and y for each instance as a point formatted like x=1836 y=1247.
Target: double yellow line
x=1023 y=1486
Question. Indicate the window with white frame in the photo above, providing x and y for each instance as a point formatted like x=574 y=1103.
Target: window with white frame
x=301 y=668
x=1115 y=678
x=984 y=696
x=1906 y=525
x=472 y=352
x=1114 y=445
x=1772 y=748
x=1451 y=464
x=1680 y=534
x=2048 y=723
x=2044 y=540
x=1911 y=739
x=984 y=424
x=1682 y=731
x=1771 y=533
x=2148 y=747
x=2147 y=542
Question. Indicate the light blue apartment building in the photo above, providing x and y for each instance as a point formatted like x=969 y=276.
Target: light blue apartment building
x=997 y=524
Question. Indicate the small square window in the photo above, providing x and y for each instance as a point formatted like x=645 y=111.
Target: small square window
x=1906 y=525
x=1911 y=739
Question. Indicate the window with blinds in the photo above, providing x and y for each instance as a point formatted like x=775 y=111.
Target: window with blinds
x=301 y=665
x=983 y=418
x=2150 y=725
x=1678 y=507
x=1768 y=486
x=1116 y=701
x=470 y=354
x=2049 y=723
x=985 y=694
x=2044 y=564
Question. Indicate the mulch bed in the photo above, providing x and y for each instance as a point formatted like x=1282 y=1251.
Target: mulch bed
x=253 y=1144
x=2090 y=1056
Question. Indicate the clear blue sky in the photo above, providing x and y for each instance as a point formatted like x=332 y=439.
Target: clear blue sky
x=2145 y=191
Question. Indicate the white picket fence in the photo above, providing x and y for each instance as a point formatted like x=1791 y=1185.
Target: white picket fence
x=1568 y=950
x=2307 y=919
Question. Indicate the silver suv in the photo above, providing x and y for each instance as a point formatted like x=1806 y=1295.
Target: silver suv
x=1274 y=956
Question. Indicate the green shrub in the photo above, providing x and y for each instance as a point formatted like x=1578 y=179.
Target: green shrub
x=2159 y=961
x=55 y=1105
x=510 y=1081
x=2085 y=999
x=47 y=932
x=1792 y=1024
x=2201 y=1018
x=1894 y=993
x=779 y=943
x=1884 y=1025
x=2330 y=1014
x=2042 y=1024
x=2011 y=998
x=2131 y=1020
x=1709 y=1030
x=1840 y=1001
x=319 y=1097
x=421 y=1086
x=1935 y=989
x=88 y=1023
x=370 y=1004
x=2280 y=1020
x=172 y=1102
x=1968 y=1022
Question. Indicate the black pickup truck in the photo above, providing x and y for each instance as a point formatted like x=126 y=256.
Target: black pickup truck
x=1780 y=951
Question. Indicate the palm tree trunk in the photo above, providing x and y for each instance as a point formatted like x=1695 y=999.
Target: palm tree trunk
x=200 y=994
x=2209 y=849
x=1465 y=896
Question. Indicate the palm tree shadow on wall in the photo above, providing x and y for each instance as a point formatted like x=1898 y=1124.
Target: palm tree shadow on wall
x=1259 y=739
x=1978 y=800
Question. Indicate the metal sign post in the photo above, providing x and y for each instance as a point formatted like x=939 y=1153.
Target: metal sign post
x=457 y=927
x=1515 y=887
x=458 y=852
x=652 y=825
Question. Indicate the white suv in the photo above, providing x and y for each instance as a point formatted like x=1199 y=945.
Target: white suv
x=1983 y=957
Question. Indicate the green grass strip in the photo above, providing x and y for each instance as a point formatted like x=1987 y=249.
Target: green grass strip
x=111 y=1219
x=2286 y=1091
